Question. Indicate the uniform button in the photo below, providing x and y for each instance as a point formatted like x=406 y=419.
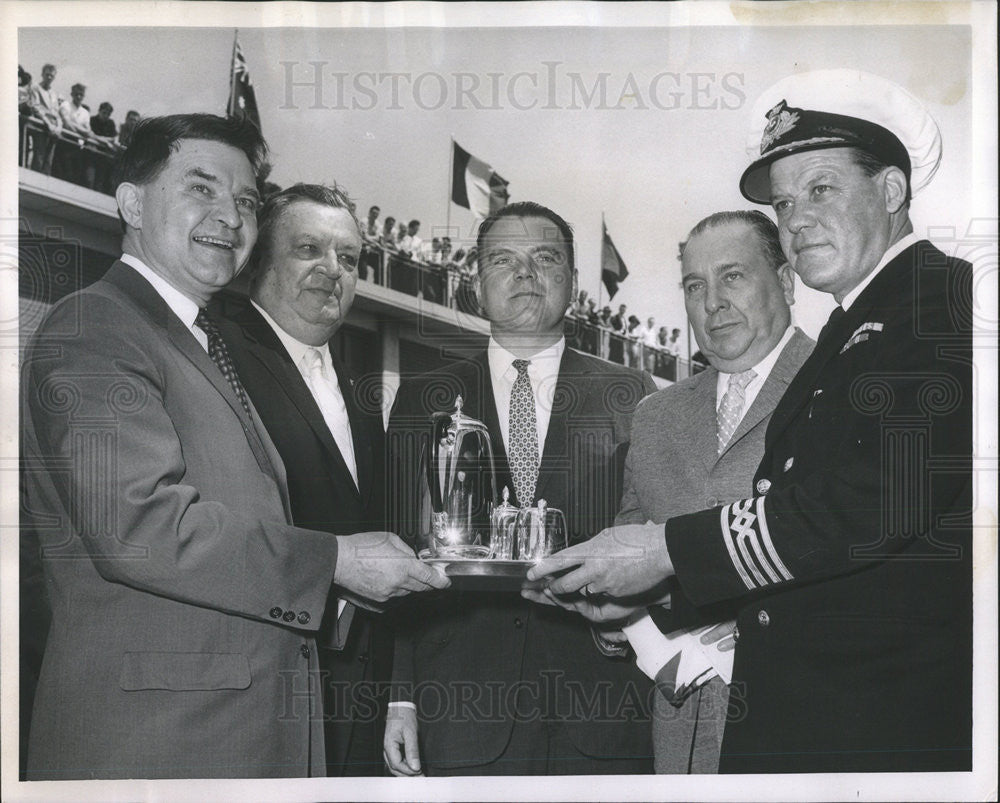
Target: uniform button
x=763 y=486
x=304 y=618
x=363 y=658
x=763 y=618
x=712 y=501
x=304 y=650
x=289 y=616
x=518 y=623
x=275 y=612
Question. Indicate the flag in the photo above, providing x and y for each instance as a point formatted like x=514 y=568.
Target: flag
x=242 y=100
x=613 y=268
x=475 y=185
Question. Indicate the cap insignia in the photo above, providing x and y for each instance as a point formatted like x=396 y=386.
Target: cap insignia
x=780 y=121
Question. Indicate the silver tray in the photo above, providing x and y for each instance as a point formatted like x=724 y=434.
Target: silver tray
x=487 y=574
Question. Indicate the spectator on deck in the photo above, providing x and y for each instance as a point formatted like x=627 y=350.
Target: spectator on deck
x=411 y=244
x=619 y=330
x=388 y=238
x=604 y=321
x=125 y=132
x=104 y=133
x=45 y=103
x=647 y=337
x=591 y=331
x=23 y=91
x=371 y=225
x=634 y=335
x=70 y=163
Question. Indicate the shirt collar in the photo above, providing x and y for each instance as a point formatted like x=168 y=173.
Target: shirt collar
x=764 y=367
x=544 y=364
x=296 y=349
x=182 y=306
x=891 y=253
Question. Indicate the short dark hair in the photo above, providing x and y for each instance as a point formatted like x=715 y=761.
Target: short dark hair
x=131 y=112
x=81 y=87
x=871 y=166
x=107 y=106
x=528 y=209
x=275 y=205
x=761 y=224
x=413 y=223
x=156 y=138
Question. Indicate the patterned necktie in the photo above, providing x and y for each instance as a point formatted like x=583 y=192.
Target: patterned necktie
x=732 y=406
x=332 y=406
x=523 y=435
x=220 y=356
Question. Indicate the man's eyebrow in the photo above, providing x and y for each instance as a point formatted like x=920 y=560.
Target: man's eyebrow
x=726 y=266
x=198 y=172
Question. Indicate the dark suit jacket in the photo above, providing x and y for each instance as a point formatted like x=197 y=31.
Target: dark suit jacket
x=851 y=566
x=485 y=644
x=323 y=497
x=184 y=603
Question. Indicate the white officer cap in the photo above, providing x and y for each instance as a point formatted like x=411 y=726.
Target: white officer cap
x=836 y=109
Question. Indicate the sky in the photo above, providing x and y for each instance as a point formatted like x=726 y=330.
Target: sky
x=643 y=126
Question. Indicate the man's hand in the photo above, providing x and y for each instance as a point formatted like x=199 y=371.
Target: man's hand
x=619 y=561
x=399 y=747
x=723 y=636
x=600 y=609
x=379 y=566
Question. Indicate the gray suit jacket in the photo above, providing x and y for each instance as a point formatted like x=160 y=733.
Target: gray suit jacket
x=673 y=468
x=184 y=605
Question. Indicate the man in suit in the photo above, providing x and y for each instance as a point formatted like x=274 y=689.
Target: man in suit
x=484 y=683
x=304 y=273
x=850 y=564
x=698 y=443
x=185 y=605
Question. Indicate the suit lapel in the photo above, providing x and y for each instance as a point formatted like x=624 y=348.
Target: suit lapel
x=697 y=420
x=573 y=380
x=784 y=370
x=263 y=344
x=183 y=339
x=360 y=437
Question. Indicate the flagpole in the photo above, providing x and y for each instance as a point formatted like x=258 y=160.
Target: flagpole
x=600 y=274
x=447 y=184
x=232 y=73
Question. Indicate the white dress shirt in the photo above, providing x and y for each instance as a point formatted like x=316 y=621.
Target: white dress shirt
x=182 y=306
x=327 y=394
x=543 y=372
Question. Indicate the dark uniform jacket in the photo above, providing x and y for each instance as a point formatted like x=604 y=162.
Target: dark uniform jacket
x=851 y=566
x=497 y=648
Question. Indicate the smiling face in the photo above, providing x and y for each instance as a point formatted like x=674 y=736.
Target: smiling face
x=48 y=76
x=834 y=221
x=309 y=270
x=525 y=280
x=194 y=222
x=736 y=301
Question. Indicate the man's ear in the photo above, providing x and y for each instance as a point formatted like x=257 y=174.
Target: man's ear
x=894 y=189
x=786 y=278
x=477 y=290
x=129 y=198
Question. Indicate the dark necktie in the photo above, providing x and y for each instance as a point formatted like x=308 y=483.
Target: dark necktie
x=523 y=434
x=830 y=325
x=220 y=356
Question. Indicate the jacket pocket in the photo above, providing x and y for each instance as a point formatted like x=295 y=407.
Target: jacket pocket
x=184 y=671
